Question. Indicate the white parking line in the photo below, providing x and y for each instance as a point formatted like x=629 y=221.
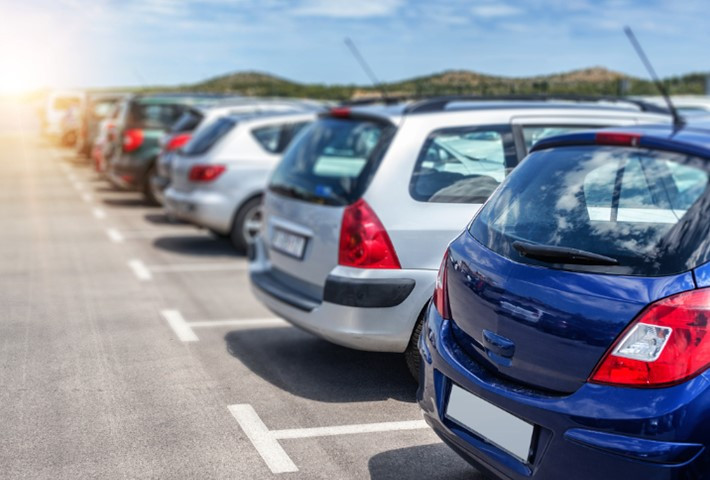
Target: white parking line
x=184 y=329
x=179 y=325
x=267 y=443
x=86 y=197
x=98 y=213
x=114 y=235
x=140 y=270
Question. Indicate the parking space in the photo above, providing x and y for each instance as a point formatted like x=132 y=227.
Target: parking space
x=134 y=347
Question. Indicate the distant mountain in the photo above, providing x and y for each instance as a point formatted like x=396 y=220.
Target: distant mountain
x=587 y=81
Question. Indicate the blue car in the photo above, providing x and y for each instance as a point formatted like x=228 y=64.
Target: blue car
x=568 y=334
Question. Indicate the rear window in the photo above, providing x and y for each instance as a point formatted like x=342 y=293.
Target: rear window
x=333 y=161
x=646 y=210
x=208 y=136
x=275 y=138
x=187 y=122
x=462 y=165
x=154 y=116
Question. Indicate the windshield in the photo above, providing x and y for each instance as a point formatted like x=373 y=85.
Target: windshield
x=208 y=136
x=332 y=161
x=158 y=116
x=187 y=122
x=645 y=210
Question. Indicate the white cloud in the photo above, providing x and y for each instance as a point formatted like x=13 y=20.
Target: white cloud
x=348 y=8
x=495 y=10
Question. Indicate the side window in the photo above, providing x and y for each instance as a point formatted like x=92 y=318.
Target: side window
x=269 y=137
x=462 y=165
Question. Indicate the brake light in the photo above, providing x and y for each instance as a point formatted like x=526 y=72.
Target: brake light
x=441 y=295
x=177 y=141
x=132 y=140
x=364 y=242
x=205 y=173
x=667 y=344
x=619 y=139
x=340 y=112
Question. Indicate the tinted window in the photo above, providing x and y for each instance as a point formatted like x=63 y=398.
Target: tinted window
x=154 y=116
x=187 y=122
x=462 y=165
x=332 y=161
x=269 y=137
x=645 y=209
x=208 y=136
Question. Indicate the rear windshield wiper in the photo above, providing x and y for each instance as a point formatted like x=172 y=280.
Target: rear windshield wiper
x=552 y=254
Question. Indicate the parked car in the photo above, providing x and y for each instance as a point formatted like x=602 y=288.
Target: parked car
x=568 y=332
x=218 y=178
x=57 y=107
x=690 y=106
x=99 y=106
x=359 y=209
x=197 y=117
x=142 y=122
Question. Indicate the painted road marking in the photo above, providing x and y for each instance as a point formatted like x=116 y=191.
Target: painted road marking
x=140 y=270
x=98 y=213
x=114 y=235
x=184 y=329
x=267 y=443
x=86 y=197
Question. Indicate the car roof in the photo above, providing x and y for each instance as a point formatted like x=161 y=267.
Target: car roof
x=690 y=139
x=269 y=115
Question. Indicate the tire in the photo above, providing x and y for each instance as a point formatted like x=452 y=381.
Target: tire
x=247 y=223
x=411 y=355
x=151 y=194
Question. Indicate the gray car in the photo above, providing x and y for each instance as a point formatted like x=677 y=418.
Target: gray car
x=360 y=209
x=218 y=178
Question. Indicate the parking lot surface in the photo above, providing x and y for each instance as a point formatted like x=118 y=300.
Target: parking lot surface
x=131 y=347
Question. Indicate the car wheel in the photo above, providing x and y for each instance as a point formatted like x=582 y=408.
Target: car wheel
x=411 y=354
x=151 y=193
x=247 y=224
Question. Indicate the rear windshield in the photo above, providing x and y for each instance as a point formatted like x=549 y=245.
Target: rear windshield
x=187 y=122
x=645 y=210
x=208 y=136
x=158 y=116
x=332 y=161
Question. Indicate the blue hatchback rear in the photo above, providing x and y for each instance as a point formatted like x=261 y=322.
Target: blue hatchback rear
x=567 y=333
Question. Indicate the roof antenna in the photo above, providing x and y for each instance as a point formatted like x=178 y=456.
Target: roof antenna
x=678 y=121
x=368 y=71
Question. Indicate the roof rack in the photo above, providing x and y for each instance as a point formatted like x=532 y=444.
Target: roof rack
x=437 y=104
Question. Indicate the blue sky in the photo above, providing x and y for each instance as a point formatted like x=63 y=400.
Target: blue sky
x=129 y=42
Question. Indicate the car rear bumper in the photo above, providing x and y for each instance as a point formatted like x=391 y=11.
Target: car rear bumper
x=203 y=208
x=126 y=173
x=596 y=432
x=373 y=310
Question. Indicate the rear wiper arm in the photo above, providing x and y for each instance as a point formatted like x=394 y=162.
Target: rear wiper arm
x=552 y=254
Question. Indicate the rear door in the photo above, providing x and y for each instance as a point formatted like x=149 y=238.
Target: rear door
x=323 y=171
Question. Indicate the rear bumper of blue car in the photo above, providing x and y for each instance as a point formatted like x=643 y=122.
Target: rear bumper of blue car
x=596 y=432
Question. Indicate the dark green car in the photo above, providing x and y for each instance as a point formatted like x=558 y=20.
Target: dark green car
x=141 y=123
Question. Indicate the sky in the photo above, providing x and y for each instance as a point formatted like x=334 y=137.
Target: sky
x=103 y=43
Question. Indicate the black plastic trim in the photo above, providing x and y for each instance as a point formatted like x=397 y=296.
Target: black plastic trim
x=269 y=284
x=367 y=293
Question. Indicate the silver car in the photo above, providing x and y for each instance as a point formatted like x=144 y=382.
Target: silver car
x=218 y=178
x=360 y=209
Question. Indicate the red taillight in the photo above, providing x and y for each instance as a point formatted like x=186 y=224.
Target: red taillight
x=206 y=173
x=441 y=296
x=340 y=112
x=364 y=242
x=132 y=139
x=177 y=141
x=620 y=139
x=664 y=346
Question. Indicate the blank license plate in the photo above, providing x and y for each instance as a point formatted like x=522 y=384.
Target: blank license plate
x=289 y=243
x=490 y=422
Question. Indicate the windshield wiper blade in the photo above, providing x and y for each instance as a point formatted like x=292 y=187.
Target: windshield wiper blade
x=552 y=254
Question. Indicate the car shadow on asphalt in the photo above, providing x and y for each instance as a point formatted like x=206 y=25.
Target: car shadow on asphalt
x=421 y=462
x=199 y=244
x=162 y=219
x=127 y=202
x=308 y=367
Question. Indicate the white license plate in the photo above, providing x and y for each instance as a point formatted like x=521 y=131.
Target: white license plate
x=288 y=243
x=490 y=422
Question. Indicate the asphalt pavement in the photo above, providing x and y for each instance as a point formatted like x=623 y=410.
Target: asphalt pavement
x=132 y=347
